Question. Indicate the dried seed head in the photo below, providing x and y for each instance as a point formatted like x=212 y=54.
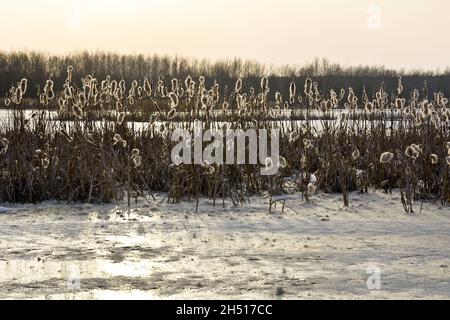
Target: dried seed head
x=117 y=139
x=292 y=90
x=238 y=86
x=172 y=114
x=77 y=111
x=264 y=84
x=386 y=157
x=137 y=160
x=307 y=143
x=173 y=100
x=23 y=85
x=434 y=158
x=399 y=86
x=120 y=118
x=293 y=136
x=308 y=87
x=153 y=118
x=417 y=149
x=369 y=107
x=282 y=163
x=411 y=153
x=355 y=154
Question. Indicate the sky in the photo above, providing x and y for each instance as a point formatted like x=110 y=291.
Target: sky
x=408 y=34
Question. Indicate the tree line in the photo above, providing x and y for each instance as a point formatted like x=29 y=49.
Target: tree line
x=38 y=67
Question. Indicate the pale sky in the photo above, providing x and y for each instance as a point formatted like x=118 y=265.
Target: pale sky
x=396 y=33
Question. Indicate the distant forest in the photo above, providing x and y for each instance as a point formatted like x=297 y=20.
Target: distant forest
x=37 y=67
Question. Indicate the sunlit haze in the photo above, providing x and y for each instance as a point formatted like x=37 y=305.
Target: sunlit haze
x=407 y=34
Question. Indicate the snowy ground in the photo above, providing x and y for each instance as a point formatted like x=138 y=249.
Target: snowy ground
x=310 y=251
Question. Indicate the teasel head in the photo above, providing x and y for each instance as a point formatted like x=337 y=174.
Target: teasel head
x=7 y=101
x=117 y=139
x=44 y=99
x=62 y=103
x=67 y=91
x=225 y=106
x=386 y=157
x=303 y=127
x=122 y=86
x=137 y=160
x=369 y=107
x=399 y=86
x=88 y=91
x=172 y=114
x=153 y=119
x=174 y=83
x=69 y=73
x=273 y=113
x=342 y=94
x=187 y=82
x=411 y=153
x=140 y=92
x=278 y=98
x=135 y=152
x=77 y=111
x=147 y=87
x=18 y=95
x=434 y=158
x=316 y=89
x=82 y=100
x=355 y=154
x=329 y=105
x=201 y=81
x=418 y=120
x=268 y=163
x=416 y=148
x=180 y=92
x=282 y=163
x=308 y=87
x=48 y=90
x=23 y=85
x=238 y=86
x=292 y=90
x=120 y=118
x=400 y=103
x=307 y=143
x=4 y=145
x=293 y=136
x=264 y=84
x=173 y=100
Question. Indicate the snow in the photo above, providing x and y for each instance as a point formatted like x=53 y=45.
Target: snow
x=316 y=250
x=5 y=210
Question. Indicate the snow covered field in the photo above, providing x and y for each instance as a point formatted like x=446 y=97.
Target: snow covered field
x=310 y=251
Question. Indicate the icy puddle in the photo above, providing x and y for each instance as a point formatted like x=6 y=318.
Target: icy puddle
x=309 y=251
